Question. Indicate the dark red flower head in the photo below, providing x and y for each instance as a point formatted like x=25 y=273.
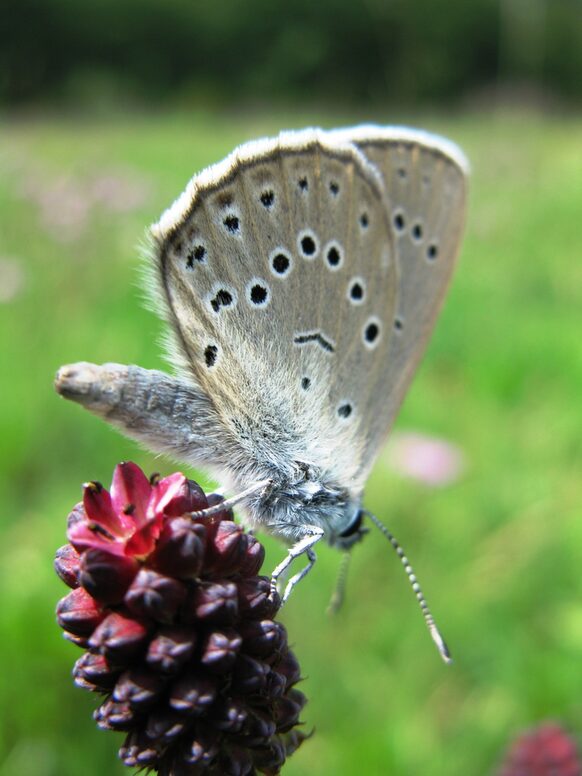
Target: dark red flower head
x=544 y=751
x=178 y=629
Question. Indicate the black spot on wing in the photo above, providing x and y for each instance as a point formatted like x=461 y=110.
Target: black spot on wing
x=315 y=337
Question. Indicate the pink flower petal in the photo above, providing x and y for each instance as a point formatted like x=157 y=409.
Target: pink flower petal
x=130 y=493
x=144 y=539
x=84 y=536
x=100 y=510
x=174 y=496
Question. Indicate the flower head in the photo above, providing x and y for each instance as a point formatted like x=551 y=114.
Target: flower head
x=544 y=751
x=178 y=630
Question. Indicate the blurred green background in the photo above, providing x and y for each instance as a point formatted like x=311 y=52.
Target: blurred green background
x=107 y=110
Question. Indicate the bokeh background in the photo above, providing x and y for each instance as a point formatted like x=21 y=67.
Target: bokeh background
x=107 y=109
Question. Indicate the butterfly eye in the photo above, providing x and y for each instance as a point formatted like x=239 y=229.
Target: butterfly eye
x=303 y=184
x=398 y=324
x=364 y=221
x=305 y=383
x=334 y=188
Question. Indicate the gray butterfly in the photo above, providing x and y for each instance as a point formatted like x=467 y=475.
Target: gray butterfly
x=301 y=278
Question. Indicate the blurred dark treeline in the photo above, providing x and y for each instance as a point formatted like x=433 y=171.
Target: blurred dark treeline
x=356 y=51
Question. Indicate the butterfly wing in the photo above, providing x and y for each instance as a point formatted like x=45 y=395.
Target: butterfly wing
x=425 y=178
x=277 y=269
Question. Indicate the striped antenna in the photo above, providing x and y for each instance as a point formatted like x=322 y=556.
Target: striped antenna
x=426 y=613
x=339 y=592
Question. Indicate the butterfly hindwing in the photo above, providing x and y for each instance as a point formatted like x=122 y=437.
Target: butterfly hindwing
x=425 y=180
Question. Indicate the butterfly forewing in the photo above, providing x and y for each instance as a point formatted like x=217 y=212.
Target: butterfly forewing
x=278 y=269
x=425 y=181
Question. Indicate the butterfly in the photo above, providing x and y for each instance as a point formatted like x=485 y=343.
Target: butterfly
x=300 y=279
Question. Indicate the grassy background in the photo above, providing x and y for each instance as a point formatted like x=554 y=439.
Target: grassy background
x=498 y=552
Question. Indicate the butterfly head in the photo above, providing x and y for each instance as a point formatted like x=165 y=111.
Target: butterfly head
x=299 y=498
x=353 y=534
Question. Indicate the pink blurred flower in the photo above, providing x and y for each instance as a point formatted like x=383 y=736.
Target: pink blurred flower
x=119 y=192
x=429 y=460
x=544 y=751
x=67 y=202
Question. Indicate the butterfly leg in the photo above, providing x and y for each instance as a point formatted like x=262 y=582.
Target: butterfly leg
x=296 y=578
x=303 y=547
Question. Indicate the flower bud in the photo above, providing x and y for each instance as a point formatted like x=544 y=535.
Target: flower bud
x=79 y=613
x=215 y=603
x=256 y=600
x=139 y=687
x=105 y=576
x=180 y=548
x=254 y=556
x=270 y=758
x=202 y=750
x=118 y=638
x=156 y=596
x=249 y=675
x=67 y=562
x=287 y=710
x=230 y=715
x=263 y=637
x=113 y=715
x=171 y=648
x=93 y=672
x=220 y=650
x=289 y=667
x=140 y=751
x=166 y=725
x=193 y=694
x=226 y=548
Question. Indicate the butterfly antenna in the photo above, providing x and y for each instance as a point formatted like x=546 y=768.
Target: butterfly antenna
x=426 y=613
x=339 y=592
x=231 y=502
